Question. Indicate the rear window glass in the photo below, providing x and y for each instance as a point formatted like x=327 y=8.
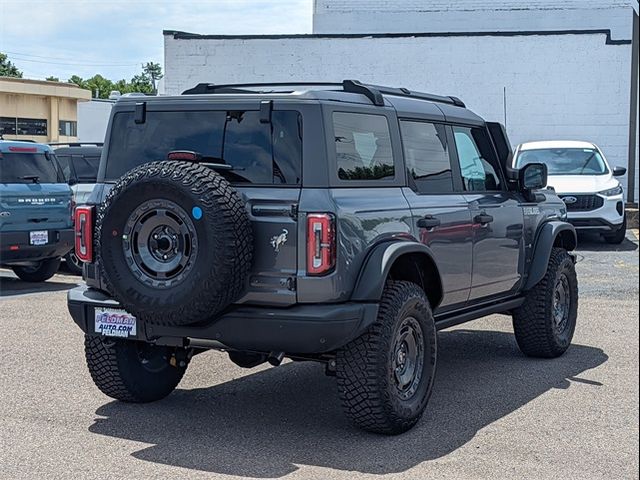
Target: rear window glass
x=260 y=153
x=27 y=167
x=86 y=167
x=363 y=146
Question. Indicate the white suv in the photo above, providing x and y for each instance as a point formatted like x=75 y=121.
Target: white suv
x=581 y=176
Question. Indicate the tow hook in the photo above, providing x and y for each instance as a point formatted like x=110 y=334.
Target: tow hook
x=330 y=368
x=275 y=358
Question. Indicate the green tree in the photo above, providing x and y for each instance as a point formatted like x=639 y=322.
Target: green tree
x=75 y=79
x=154 y=72
x=52 y=79
x=8 y=69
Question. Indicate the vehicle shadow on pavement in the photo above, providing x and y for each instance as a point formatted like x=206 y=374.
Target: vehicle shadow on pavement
x=593 y=243
x=10 y=286
x=264 y=425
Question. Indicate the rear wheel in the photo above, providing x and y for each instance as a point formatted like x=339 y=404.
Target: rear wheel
x=619 y=236
x=74 y=265
x=385 y=376
x=132 y=371
x=43 y=270
x=545 y=323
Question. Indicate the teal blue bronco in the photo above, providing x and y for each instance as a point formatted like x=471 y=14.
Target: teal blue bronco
x=36 y=226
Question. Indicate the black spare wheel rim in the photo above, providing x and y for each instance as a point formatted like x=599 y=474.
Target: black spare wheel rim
x=174 y=243
x=160 y=243
x=408 y=358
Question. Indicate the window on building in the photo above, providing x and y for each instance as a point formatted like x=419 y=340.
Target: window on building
x=31 y=126
x=478 y=163
x=68 y=128
x=427 y=156
x=8 y=125
x=363 y=146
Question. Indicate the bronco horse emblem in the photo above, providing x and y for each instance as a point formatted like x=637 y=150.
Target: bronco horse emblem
x=278 y=240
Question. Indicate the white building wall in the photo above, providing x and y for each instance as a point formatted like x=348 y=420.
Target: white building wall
x=93 y=118
x=388 y=16
x=557 y=86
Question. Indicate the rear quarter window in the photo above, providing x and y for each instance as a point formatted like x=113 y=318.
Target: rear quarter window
x=363 y=146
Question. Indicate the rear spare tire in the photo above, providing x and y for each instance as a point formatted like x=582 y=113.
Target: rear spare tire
x=174 y=242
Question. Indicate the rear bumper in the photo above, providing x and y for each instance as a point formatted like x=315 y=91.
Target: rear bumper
x=15 y=248
x=303 y=329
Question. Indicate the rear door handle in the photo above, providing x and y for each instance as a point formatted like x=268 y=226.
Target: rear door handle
x=428 y=221
x=483 y=219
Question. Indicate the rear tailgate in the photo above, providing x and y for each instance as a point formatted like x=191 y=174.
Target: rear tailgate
x=34 y=206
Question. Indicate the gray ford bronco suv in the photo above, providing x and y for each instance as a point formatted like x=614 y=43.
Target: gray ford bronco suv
x=340 y=223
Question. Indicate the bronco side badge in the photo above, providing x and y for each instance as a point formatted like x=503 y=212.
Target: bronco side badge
x=279 y=240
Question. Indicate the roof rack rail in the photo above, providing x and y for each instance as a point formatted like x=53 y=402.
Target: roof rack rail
x=203 y=88
x=372 y=92
x=405 y=92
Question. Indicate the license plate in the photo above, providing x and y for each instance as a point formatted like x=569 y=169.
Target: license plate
x=112 y=322
x=39 y=237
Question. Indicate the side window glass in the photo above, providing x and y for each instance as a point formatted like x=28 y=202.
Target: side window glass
x=65 y=164
x=476 y=157
x=426 y=155
x=363 y=146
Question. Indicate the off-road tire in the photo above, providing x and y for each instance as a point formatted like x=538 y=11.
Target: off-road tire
x=364 y=367
x=43 y=271
x=218 y=259
x=118 y=371
x=533 y=322
x=619 y=236
x=72 y=262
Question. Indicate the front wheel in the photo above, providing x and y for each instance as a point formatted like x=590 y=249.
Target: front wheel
x=43 y=270
x=544 y=324
x=132 y=371
x=619 y=236
x=385 y=376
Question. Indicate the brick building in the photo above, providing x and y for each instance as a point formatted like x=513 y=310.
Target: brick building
x=549 y=69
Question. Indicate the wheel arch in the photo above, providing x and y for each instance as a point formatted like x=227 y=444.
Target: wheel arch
x=551 y=234
x=400 y=260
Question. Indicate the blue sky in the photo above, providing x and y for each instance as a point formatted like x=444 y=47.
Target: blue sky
x=114 y=37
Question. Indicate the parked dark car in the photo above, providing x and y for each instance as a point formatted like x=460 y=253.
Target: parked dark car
x=79 y=163
x=340 y=223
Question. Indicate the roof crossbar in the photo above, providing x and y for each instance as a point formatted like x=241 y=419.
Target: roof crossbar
x=372 y=92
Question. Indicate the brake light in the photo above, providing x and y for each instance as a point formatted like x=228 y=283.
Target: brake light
x=23 y=149
x=321 y=243
x=83 y=226
x=187 y=155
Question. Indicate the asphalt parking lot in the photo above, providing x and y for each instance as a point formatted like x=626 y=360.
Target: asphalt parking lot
x=493 y=414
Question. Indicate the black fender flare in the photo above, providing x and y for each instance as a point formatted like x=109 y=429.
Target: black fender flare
x=545 y=240
x=376 y=267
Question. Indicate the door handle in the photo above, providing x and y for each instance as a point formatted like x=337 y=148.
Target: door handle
x=483 y=219
x=428 y=221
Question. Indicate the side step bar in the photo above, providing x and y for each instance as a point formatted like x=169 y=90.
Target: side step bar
x=451 y=320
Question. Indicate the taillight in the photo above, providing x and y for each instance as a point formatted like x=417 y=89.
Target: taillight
x=321 y=243
x=83 y=225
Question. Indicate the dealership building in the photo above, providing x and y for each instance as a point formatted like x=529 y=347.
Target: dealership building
x=548 y=69
x=40 y=111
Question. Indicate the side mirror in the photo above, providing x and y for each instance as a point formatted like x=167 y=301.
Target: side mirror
x=533 y=176
x=619 y=171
